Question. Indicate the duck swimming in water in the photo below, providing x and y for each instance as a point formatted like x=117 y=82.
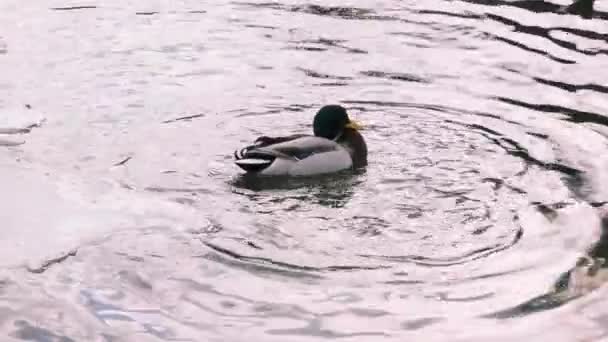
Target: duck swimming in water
x=335 y=146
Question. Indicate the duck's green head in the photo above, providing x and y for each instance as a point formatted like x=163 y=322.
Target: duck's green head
x=331 y=121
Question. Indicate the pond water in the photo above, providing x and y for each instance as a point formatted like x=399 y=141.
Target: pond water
x=481 y=213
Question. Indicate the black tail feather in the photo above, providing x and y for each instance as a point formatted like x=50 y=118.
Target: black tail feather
x=253 y=160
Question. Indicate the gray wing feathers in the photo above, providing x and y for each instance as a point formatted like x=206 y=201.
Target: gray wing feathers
x=302 y=147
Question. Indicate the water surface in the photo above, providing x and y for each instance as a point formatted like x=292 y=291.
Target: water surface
x=480 y=215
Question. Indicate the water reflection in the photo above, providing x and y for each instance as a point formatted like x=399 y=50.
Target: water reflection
x=332 y=190
x=589 y=274
x=583 y=8
x=573 y=88
x=548 y=33
x=261 y=265
x=348 y=13
x=572 y=115
x=32 y=332
x=468 y=257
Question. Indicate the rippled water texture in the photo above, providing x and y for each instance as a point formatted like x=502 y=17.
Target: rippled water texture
x=480 y=215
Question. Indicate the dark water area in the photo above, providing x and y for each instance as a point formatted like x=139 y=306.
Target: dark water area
x=481 y=214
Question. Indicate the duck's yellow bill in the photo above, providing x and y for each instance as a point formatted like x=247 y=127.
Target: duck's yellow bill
x=354 y=125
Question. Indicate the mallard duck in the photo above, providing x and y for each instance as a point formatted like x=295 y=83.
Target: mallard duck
x=335 y=146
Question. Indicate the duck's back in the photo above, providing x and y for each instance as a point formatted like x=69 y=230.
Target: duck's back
x=303 y=147
x=312 y=155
